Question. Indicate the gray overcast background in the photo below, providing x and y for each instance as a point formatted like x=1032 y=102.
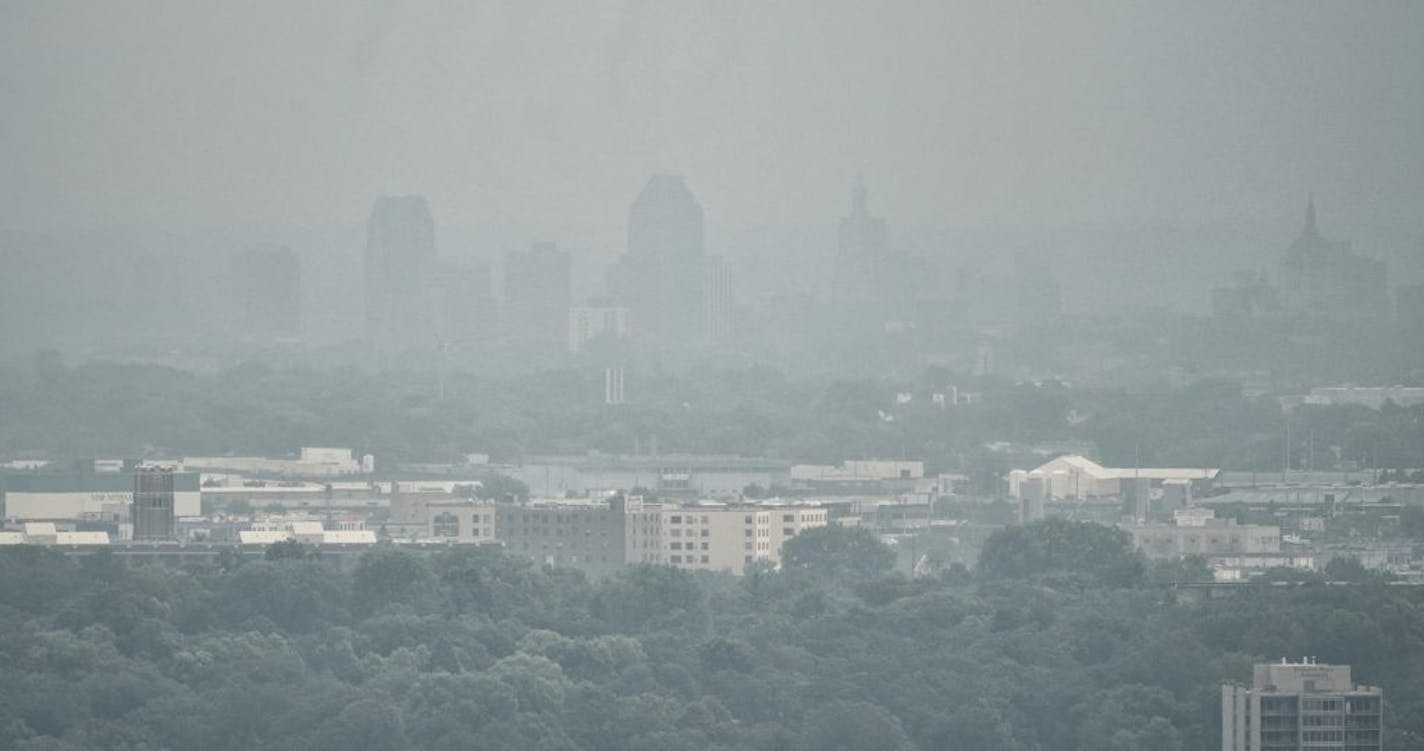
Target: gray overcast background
x=200 y=113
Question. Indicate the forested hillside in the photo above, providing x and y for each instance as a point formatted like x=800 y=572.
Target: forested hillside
x=1057 y=641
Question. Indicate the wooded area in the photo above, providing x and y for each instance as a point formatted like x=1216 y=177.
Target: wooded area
x=1060 y=639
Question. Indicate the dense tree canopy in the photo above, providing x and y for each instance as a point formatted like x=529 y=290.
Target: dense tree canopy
x=469 y=648
x=132 y=410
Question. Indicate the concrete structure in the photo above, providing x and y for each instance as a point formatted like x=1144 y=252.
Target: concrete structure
x=718 y=537
x=59 y=497
x=1209 y=538
x=537 y=295
x=613 y=392
x=717 y=301
x=863 y=244
x=153 y=510
x=596 y=322
x=1079 y=477
x=400 y=247
x=601 y=536
x=661 y=278
x=307 y=532
x=858 y=476
x=589 y=535
x=310 y=462
x=1301 y=705
x=1321 y=277
x=460 y=521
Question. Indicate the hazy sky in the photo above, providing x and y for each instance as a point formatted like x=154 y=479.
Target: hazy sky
x=199 y=113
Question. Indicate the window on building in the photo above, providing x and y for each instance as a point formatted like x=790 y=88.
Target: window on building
x=445 y=524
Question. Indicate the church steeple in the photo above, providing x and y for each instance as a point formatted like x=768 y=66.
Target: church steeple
x=858 y=202
x=1310 y=216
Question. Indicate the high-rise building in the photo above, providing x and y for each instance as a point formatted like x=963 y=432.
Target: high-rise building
x=590 y=322
x=266 y=287
x=400 y=246
x=459 y=302
x=537 y=295
x=612 y=385
x=1319 y=276
x=1293 y=706
x=864 y=243
x=661 y=278
x=717 y=313
x=153 y=504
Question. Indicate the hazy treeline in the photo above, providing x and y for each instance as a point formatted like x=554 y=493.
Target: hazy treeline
x=137 y=410
x=1058 y=641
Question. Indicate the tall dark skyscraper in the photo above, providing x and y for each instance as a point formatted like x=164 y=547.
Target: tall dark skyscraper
x=266 y=287
x=864 y=244
x=400 y=247
x=537 y=296
x=661 y=278
x=153 y=504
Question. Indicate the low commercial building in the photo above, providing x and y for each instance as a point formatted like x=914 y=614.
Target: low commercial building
x=1078 y=477
x=686 y=476
x=310 y=462
x=308 y=532
x=1301 y=705
x=101 y=495
x=858 y=476
x=1216 y=537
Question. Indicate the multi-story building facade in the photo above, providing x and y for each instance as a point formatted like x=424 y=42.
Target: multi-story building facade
x=589 y=535
x=661 y=278
x=714 y=537
x=400 y=247
x=587 y=323
x=153 y=512
x=537 y=295
x=1218 y=537
x=1301 y=705
x=460 y=521
x=601 y=537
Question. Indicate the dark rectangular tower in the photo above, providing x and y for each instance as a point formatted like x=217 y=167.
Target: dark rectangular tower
x=153 y=504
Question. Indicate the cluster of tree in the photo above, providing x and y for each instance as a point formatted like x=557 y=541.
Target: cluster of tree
x=1057 y=641
x=129 y=410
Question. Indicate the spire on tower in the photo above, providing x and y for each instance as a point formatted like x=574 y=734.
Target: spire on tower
x=1310 y=215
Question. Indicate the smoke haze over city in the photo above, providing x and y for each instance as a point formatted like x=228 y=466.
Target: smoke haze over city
x=823 y=376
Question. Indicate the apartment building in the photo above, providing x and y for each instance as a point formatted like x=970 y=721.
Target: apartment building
x=1292 y=706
